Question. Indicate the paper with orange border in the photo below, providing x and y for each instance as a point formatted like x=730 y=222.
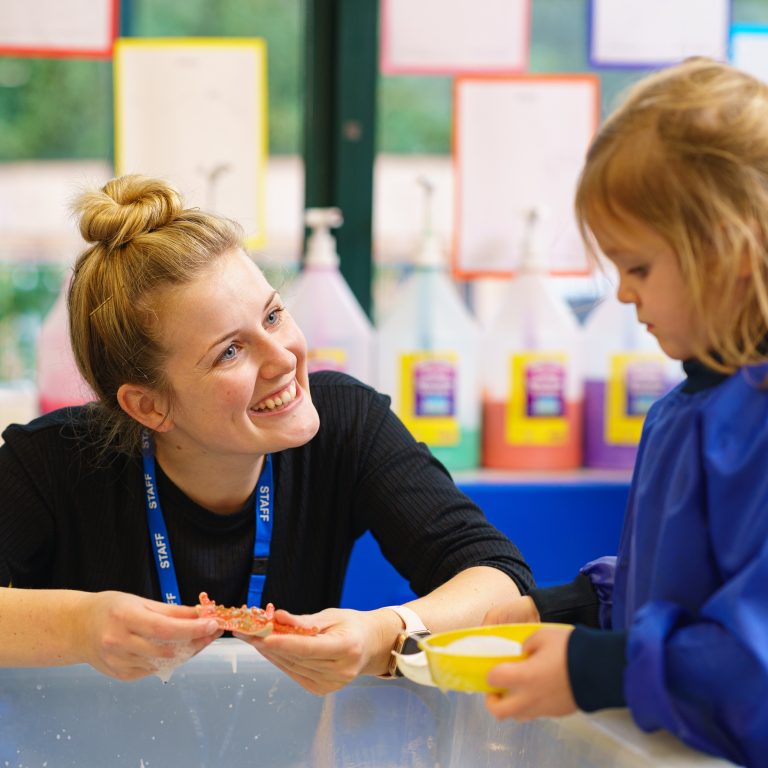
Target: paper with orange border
x=501 y=151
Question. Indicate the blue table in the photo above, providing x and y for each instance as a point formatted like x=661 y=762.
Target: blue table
x=559 y=522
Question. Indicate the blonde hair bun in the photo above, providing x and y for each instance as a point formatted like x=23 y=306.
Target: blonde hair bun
x=125 y=208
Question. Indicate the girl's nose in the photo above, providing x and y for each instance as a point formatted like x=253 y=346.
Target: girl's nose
x=625 y=294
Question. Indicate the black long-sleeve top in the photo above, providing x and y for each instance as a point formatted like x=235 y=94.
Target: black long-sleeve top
x=70 y=518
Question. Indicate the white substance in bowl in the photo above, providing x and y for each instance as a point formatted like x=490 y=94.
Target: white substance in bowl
x=483 y=645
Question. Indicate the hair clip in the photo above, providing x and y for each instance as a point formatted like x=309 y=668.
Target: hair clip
x=94 y=311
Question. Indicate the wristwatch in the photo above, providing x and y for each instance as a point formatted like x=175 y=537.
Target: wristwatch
x=407 y=640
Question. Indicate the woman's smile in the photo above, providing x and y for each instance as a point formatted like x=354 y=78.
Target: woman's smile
x=279 y=401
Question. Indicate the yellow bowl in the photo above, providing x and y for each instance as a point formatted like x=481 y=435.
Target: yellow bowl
x=469 y=672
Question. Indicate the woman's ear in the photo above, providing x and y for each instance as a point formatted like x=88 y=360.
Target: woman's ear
x=145 y=406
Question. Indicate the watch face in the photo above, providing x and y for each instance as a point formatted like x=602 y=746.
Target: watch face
x=411 y=644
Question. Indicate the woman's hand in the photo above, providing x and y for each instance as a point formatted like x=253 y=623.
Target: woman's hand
x=349 y=643
x=520 y=611
x=537 y=686
x=129 y=637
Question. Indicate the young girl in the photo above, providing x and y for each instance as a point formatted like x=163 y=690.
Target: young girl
x=213 y=462
x=675 y=193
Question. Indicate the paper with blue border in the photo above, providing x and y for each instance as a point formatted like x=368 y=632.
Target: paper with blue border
x=748 y=49
x=670 y=38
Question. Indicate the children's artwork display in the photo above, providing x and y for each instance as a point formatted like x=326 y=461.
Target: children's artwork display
x=653 y=33
x=749 y=49
x=434 y=37
x=194 y=111
x=519 y=144
x=58 y=28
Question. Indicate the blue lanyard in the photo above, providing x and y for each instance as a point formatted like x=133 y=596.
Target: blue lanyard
x=158 y=533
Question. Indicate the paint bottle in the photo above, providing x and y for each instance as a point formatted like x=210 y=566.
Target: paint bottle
x=625 y=372
x=338 y=332
x=428 y=347
x=59 y=382
x=532 y=389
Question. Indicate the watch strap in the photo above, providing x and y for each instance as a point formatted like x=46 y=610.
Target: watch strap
x=413 y=626
x=409 y=618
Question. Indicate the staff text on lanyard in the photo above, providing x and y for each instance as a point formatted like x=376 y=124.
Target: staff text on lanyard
x=158 y=533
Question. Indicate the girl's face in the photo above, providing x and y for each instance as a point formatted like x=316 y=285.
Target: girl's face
x=236 y=364
x=650 y=278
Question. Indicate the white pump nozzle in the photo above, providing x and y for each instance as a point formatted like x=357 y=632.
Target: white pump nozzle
x=321 y=244
x=430 y=252
x=533 y=258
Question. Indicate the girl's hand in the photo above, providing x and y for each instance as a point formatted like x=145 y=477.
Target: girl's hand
x=520 y=611
x=537 y=686
x=129 y=637
x=349 y=643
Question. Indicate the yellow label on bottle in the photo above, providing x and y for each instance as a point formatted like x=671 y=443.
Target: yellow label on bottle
x=327 y=359
x=536 y=402
x=635 y=381
x=429 y=396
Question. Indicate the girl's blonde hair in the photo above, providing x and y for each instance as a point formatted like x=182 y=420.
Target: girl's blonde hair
x=143 y=241
x=686 y=154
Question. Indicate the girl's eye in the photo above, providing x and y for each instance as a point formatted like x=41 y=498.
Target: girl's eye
x=641 y=271
x=274 y=317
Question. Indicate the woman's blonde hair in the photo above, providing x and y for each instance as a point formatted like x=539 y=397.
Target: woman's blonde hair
x=686 y=154
x=143 y=241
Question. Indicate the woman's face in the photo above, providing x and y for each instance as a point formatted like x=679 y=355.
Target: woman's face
x=236 y=364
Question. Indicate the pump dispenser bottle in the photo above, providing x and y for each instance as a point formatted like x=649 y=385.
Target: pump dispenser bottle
x=428 y=356
x=338 y=332
x=625 y=372
x=532 y=393
x=59 y=382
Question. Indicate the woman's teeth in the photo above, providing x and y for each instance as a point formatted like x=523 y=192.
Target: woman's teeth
x=279 y=400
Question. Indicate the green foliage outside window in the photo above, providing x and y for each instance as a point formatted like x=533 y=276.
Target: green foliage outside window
x=27 y=292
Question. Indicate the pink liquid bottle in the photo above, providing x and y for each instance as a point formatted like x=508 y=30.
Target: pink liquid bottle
x=339 y=335
x=532 y=393
x=59 y=382
x=625 y=372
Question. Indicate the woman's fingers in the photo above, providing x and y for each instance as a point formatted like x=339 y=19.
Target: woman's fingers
x=128 y=635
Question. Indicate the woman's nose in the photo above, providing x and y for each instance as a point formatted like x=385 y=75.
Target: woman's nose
x=276 y=359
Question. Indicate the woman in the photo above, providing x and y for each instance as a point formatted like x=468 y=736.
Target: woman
x=192 y=355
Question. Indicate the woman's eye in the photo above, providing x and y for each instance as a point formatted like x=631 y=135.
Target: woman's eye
x=274 y=316
x=230 y=353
